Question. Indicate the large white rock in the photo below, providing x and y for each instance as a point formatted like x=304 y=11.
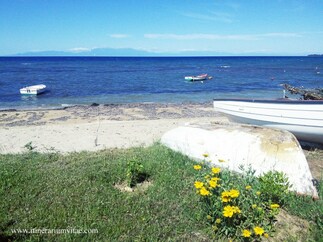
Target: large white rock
x=264 y=149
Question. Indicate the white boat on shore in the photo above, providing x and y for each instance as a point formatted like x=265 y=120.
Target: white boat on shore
x=33 y=90
x=302 y=118
x=196 y=78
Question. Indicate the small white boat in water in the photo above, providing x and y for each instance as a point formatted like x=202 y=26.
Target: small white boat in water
x=302 y=118
x=33 y=90
x=196 y=78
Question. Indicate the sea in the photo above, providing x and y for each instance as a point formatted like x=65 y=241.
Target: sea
x=115 y=80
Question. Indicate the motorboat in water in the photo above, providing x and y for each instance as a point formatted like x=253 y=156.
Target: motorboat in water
x=33 y=90
x=197 y=78
x=303 y=118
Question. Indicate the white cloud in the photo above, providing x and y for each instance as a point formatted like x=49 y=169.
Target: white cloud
x=119 y=36
x=211 y=16
x=199 y=36
x=79 y=49
x=284 y=35
x=246 y=37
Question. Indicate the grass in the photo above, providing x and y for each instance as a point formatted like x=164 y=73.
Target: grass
x=312 y=211
x=76 y=191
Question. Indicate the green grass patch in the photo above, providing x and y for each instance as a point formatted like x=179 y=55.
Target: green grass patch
x=77 y=191
x=309 y=209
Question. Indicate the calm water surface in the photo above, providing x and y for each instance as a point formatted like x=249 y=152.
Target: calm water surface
x=85 y=80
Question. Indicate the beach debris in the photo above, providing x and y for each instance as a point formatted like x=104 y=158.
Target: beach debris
x=232 y=146
x=94 y=105
x=29 y=146
x=307 y=94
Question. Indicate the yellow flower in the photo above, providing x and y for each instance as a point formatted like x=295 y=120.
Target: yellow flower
x=215 y=179
x=274 y=206
x=209 y=217
x=218 y=220
x=246 y=233
x=258 y=230
x=254 y=206
x=266 y=235
x=236 y=209
x=198 y=184
x=234 y=193
x=204 y=191
x=226 y=196
x=213 y=183
x=258 y=193
x=220 y=160
x=248 y=187
x=206 y=155
x=216 y=170
x=197 y=167
x=228 y=211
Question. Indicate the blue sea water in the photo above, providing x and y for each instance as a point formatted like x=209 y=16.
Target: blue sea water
x=105 y=80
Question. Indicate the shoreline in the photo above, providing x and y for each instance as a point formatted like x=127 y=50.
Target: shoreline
x=94 y=112
x=94 y=104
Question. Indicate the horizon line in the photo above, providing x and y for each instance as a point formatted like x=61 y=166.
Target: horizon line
x=157 y=56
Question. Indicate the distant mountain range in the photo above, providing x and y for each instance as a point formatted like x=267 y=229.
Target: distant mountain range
x=315 y=55
x=93 y=52
x=120 y=52
x=129 y=52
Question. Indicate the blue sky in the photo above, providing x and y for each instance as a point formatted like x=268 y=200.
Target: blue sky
x=235 y=27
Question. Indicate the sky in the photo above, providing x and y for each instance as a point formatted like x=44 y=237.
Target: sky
x=226 y=27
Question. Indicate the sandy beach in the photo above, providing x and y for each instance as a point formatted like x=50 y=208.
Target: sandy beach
x=96 y=127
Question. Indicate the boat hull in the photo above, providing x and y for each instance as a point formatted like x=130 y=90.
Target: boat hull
x=302 y=118
x=196 y=78
x=33 y=90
